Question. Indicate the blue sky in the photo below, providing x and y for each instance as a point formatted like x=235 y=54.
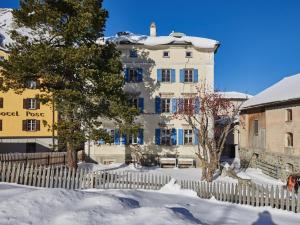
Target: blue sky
x=259 y=38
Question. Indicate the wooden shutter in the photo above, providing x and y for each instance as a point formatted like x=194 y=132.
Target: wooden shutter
x=38 y=125
x=0 y=125
x=25 y=103
x=38 y=105
x=24 y=125
x=1 y=102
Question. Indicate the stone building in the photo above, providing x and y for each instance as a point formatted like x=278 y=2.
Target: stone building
x=159 y=70
x=270 y=133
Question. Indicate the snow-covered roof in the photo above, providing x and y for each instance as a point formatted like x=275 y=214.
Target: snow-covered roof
x=131 y=38
x=234 y=95
x=285 y=90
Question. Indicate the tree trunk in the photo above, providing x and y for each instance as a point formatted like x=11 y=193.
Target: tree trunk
x=71 y=156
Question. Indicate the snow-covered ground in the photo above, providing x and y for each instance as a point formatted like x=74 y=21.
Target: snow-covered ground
x=22 y=205
x=255 y=175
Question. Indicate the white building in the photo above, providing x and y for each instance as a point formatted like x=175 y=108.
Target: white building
x=159 y=70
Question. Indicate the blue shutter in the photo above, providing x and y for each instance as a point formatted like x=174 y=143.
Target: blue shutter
x=197 y=105
x=157 y=136
x=159 y=75
x=117 y=137
x=123 y=139
x=195 y=76
x=141 y=105
x=180 y=136
x=173 y=136
x=126 y=75
x=173 y=76
x=141 y=136
x=157 y=105
x=140 y=75
x=196 y=136
x=174 y=105
x=182 y=76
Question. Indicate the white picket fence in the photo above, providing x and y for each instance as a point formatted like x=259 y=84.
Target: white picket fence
x=63 y=177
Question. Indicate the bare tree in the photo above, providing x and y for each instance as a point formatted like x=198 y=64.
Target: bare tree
x=212 y=117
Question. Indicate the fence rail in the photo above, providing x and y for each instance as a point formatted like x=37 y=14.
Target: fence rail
x=63 y=177
x=39 y=158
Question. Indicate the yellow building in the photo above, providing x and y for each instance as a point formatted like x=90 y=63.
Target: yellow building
x=25 y=124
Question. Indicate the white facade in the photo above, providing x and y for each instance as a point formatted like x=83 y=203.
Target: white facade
x=161 y=77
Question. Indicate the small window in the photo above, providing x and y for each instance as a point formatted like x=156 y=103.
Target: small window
x=31 y=125
x=132 y=76
x=1 y=125
x=289 y=140
x=188 y=137
x=166 y=75
x=165 y=105
x=188 y=75
x=166 y=137
x=188 y=54
x=188 y=105
x=255 y=127
x=1 y=58
x=133 y=53
x=133 y=139
x=289 y=115
x=112 y=135
x=31 y=84
x=32 y=103
x=166 y=54
x=134 y=102
x=1 y=102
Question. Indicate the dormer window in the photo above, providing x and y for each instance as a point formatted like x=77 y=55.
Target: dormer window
x=188 y=54
x=133 y=53
x=166 y=54
x=31 y=84
x=1 y=58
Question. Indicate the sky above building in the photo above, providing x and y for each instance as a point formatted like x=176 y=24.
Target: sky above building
x=259 y=39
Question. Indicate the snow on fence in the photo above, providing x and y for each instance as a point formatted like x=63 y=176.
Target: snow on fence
x=63 y=177
x=38 y=158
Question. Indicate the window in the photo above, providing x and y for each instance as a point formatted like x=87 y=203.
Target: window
x=31 y=125
x=1 y=102
x=1 y=125
x=133 y=139
x=289 y=115
x=188 y=137
x=289 y=140
x=255 y=127
x=289 y=168
x=132 y=76
x=166 y=137
x=188 y=54
x=32 y=103
x=166 y=54
x=134 y=102
x=1 y=58
x=112 y=136
x=32 y=84
x=165 y=105
x=166 y=75
x=133 y=53
x=188 y=105
x=188 y=75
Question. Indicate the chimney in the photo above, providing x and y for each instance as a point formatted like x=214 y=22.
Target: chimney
x=153 y=30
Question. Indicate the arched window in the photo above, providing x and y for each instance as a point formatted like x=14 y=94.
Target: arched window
x=289 y=140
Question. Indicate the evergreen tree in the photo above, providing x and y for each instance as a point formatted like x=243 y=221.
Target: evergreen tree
x=82 y=77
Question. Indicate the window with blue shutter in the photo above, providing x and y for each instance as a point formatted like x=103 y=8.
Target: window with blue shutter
x=123 y=139
x=174 y=105
x=157 y=105
x=173 y=76
x=180 y=136
x=197 y=105
x=159 y=75
x=141 y=105
x=126 y=75
x=157 y=136
x=141 y=136
x=173 y=136
x=181 y=76
x=196 y=136
x=195 y=76
x=117 y=137
x=139 y=75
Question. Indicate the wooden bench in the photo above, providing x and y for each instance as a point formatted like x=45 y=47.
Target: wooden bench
x=185 y=162
x=170 y=162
